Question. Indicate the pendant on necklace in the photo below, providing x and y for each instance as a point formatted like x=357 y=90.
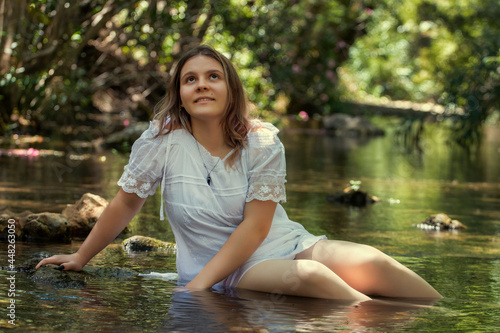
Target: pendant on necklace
x=208 y=179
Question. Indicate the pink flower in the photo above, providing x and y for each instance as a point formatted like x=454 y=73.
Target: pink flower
x=303 y=116
x=32 y=152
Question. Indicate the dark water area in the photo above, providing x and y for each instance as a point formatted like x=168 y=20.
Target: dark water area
x=463 y=265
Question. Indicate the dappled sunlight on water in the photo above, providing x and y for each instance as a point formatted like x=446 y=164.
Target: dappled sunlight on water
x=463 y=265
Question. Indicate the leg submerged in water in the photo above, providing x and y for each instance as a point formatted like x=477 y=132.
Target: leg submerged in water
x=307 y=278
x=368 y=270
x=338 y=270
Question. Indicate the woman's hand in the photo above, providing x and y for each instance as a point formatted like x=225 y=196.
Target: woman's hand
x=66 y=262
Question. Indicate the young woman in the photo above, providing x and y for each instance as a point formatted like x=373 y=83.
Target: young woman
x=222 y=177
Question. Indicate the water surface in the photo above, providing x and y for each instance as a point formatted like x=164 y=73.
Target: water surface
x=464 y=265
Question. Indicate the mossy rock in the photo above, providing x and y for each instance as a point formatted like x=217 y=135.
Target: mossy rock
x=49 y=274
x=144 y=244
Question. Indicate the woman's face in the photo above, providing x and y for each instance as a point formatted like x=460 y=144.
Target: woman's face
x=203 y=89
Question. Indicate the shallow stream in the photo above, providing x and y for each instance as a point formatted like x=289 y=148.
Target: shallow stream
x=463 y=265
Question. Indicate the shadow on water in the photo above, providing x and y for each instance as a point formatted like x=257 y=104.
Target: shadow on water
x=464 y=266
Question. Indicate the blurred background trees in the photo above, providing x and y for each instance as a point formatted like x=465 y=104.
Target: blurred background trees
x=69 y=65
x=445 y=52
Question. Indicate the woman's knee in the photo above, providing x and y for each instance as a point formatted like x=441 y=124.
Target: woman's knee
x=374 y=261
x=317 y=280
x=374 y=255
x=338 y=254
x=311 y=271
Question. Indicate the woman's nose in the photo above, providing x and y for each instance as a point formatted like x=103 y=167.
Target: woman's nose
x=202 y=85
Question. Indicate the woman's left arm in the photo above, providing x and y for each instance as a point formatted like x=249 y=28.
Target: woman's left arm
x=243 y=242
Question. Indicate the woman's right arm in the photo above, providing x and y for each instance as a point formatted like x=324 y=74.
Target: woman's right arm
x=112 y=221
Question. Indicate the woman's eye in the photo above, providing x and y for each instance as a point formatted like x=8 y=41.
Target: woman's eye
x=190 y=79
x=214 y=76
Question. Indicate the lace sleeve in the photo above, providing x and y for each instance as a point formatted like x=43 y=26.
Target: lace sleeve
x=131 y=184
x=144 y=171
x=264 y=192
x=267 y=166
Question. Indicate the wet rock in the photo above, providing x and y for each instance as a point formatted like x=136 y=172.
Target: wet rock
x=84 y=213
x=352 y=197
x=142 y=243
x=20 y=221
x=49 y=274
x=76 y=219
x=46 y=227
x=340 y=124
x=441 y=222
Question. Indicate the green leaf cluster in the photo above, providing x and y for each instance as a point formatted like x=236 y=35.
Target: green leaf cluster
x=74 y=64
x=445 y=52
x=69 y=64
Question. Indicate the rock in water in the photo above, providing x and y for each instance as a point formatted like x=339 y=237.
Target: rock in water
x=47 y=227
x=50 y=275
x=142 y=243
x=6 y=226
x=441 y=222
x=84 y=213
x=353 y=198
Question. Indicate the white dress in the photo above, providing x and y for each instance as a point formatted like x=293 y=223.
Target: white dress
x=202 y=216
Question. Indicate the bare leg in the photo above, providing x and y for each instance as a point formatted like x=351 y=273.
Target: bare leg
x=368 y=270
x=299 y=278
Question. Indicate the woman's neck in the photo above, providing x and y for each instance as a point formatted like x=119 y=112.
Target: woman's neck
x=211 y=137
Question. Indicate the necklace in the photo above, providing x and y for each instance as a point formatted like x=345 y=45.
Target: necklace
x=209 y=179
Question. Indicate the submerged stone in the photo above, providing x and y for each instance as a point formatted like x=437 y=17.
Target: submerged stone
x=50 y=275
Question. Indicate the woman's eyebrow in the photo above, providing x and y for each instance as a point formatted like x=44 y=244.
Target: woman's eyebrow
x=194 y=73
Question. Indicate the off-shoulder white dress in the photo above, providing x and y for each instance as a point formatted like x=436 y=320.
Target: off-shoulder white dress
x=203 y=216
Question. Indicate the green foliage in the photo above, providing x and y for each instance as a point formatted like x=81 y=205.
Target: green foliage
x=446 y=52
x=355 y=185
x=86 y=61
x=71 y=57
x=473 y=73
x=295 y=46
x=43 y=84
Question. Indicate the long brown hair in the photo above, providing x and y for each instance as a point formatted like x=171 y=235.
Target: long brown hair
x=235 y=123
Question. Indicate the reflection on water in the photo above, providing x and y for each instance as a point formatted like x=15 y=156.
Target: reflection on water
x=156 y=305
x=239 y=310
x=464 y=266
